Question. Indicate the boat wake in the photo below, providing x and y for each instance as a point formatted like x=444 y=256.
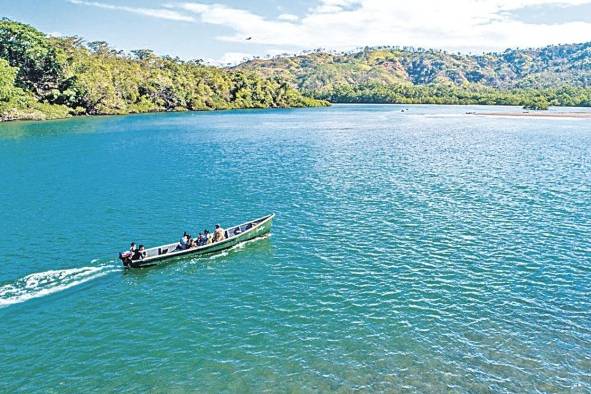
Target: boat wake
x=41 y=284
x=236 y=247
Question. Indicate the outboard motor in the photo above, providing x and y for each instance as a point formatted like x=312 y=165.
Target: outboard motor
x=125 y=258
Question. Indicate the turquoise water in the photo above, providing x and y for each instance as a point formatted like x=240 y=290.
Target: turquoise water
x=424 y=251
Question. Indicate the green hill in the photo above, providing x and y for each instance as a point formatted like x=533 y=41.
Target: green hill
x=44 y=77
x=558 y=74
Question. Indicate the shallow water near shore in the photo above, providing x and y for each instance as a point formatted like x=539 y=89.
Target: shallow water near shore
x=425 y=250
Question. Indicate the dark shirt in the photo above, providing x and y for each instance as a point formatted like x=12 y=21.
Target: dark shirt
x=137 y=255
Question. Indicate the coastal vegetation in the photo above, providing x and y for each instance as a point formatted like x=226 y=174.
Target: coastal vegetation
x=44 y=77
x=536 y=78
x=538 y=103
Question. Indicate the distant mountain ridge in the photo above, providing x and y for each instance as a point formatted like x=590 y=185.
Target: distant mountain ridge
x=547 y=71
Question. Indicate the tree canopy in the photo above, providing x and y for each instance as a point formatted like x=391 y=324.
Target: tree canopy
x=560 y=74
x=45 y=77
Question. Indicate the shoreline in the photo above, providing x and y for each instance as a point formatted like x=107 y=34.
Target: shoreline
x=574 y=115
x=524 y=114
x=83 y=116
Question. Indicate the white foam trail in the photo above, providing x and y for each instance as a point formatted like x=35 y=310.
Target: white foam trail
x=239 y=246
x=41 y=284
x=218 y=255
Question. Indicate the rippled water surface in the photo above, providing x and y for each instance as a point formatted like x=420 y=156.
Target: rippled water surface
x=424 y=250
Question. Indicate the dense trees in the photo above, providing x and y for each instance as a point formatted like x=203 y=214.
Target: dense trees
x=537 y=103
x=536 y=78
x=32 y=53
x=43 y=77
x=446 y=93
x=16 y=103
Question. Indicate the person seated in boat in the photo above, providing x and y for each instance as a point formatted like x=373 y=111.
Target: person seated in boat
x=184 y=241
x=237 y=231
x=207 y=236
x=192 y=242
x=128 y=255
x=200 y=240
x=140 y=253
x=218 y=234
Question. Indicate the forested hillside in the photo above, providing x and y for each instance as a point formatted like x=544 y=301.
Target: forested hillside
x=555 y=75
x=45 y=77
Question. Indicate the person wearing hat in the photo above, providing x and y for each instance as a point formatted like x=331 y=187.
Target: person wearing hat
x=218 y=234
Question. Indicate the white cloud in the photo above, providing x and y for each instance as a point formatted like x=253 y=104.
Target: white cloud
x=473 y=25
x=344 y=24
x=152 y=12
x=331 y=6
x=288 y=17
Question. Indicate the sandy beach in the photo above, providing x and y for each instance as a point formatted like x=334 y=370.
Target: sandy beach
x=536 y=114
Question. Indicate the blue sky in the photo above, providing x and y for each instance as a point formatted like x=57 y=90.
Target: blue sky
x=217 y=30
